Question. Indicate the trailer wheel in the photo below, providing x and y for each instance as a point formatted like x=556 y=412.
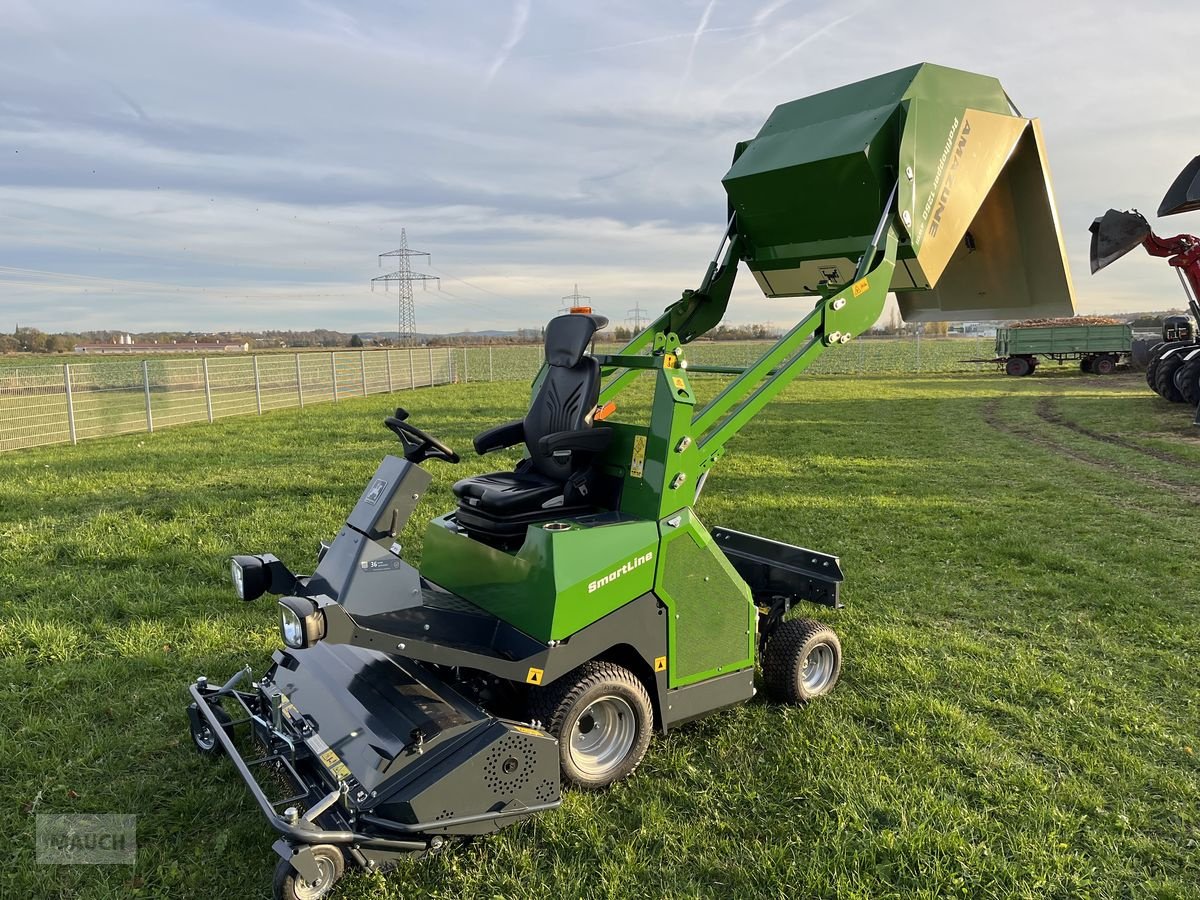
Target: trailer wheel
x=802 y=661
x=1018 y=366
x=603 y=719
x=1188 y=380
x=1164 y=378
x=1085 y=364
x=290 y=885
x=203 y=737
x=1105 y=365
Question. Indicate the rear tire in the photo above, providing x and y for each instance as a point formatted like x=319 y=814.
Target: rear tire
x=1164 y=378
x=603 y=719
x=1187 y=379
x=289 y=885
x=1018 y=366
x=802 y=661
x=1104 y=365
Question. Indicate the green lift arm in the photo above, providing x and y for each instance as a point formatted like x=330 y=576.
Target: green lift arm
x=925 y=182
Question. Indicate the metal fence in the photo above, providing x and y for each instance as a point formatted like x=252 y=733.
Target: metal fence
x=49 y=404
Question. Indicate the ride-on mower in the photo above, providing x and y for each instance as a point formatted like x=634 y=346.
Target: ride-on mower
x=1173 y=369
x=566 y=610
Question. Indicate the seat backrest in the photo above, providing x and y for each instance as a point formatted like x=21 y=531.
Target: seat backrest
x=569 y=391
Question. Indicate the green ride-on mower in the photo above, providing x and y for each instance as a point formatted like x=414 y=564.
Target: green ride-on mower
x=565 y=611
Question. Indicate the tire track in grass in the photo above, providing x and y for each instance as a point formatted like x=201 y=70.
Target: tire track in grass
x=990 y=414
x=1045 y=410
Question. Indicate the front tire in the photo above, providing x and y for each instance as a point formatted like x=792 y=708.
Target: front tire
x=1164 y=378
x=290 y=885
x=802 y=661
x=204 y=739
x=1105 y=365
x=603 y=719
x=1188 y=380
x=1017 y=366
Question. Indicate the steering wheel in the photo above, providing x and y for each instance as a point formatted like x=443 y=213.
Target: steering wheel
x=418 y=446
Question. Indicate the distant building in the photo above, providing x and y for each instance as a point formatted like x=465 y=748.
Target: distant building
x=127 y=345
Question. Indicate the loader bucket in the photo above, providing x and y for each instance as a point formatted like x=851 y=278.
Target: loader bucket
x=1114 y=234
x=1184 y=194
x=980 y=234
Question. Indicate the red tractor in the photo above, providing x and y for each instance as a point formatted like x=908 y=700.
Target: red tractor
x=1173 y=370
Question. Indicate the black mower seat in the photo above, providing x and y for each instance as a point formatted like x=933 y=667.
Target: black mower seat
x=557 y=432
x=507 y=493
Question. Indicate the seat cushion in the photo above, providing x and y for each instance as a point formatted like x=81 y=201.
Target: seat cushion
x=507 y=493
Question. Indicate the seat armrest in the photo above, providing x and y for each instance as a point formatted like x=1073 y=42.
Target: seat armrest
x=585 y=440
x=507 y=435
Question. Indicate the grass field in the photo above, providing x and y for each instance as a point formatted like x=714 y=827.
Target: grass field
x=1018 y=715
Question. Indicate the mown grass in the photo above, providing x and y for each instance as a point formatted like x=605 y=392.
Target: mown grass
x=1018 y=714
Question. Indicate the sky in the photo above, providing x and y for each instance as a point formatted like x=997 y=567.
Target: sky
x=211 y=165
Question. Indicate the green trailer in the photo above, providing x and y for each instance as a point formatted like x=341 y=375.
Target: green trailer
x=1099 y=348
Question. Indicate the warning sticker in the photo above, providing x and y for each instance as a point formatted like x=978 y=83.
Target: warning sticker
x=534 y=676
x=637 y=465
x=334 y=764
x=660 y=664
x=860 y=287
x=680 y=384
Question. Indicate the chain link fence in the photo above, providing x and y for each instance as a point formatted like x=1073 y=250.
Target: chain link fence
x=69 y=402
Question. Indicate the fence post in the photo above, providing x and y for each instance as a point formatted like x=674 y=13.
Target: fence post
x=362 y=368
x=207 y=391
x=466 y=373
x=146 y=385
x=918 y=348
x=450 y=364
x=333 y=372
x=412 y=379
x=387 y=354
x=70 y=401
x=431 y=367
x=491 y=369
x=299 y=383
x=257 y=387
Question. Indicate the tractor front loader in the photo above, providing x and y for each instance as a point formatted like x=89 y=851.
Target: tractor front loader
x=566 y=610
x=1173 y=368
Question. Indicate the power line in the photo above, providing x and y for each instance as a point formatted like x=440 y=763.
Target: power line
x=635 y=315
x=404 y=276
x=577 y=301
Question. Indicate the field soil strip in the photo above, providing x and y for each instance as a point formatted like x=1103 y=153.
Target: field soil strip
x=990 y=414
x=1046 y=410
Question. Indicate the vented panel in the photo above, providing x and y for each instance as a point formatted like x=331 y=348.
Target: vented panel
x=713 y=615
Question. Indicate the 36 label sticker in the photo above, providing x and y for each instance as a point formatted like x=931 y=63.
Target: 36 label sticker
x=860 y=287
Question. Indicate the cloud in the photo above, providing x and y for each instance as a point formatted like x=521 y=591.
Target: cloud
x=516 y=31
x=249 y=161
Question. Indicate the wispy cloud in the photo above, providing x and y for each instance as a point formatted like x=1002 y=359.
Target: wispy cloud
x=696 y=35
x=516 y=31
x=787 y=54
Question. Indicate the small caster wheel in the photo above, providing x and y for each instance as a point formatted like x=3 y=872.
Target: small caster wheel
x=802 y=661
x=290 y=885
x=203 y=737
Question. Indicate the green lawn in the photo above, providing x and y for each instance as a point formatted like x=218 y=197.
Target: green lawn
x=1018 y=715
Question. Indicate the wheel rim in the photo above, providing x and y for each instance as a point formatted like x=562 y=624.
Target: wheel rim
x=204 y=737
x=817 y=669
x=602 y=736
x=314 y=890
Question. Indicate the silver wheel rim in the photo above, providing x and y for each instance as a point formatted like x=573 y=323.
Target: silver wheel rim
x=817 y=668
x=205 y=738
x=314 y=890
x=602 y=736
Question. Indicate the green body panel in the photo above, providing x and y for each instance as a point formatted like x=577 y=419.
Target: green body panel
x=1064 y=339
x=712 y=615
x=557 y=583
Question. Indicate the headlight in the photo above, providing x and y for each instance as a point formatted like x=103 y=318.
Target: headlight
x=250 y=576
x=301 y=622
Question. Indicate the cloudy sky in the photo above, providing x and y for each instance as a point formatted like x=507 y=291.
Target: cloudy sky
x=224 y=165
